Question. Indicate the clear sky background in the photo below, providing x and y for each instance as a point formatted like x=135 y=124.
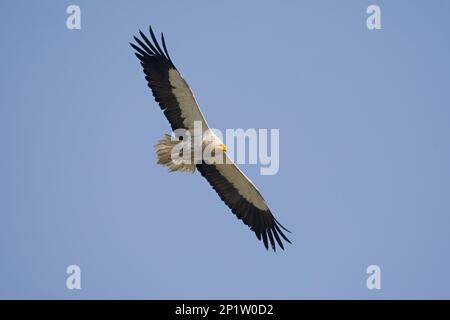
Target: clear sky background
x=364 y=119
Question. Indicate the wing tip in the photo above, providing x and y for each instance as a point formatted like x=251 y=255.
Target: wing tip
x=271 y=237
x=152 y=48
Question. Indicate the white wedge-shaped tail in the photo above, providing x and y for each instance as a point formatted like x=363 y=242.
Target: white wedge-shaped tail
x=170 y=155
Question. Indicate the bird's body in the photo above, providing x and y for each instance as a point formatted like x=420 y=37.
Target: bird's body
x=192 y=136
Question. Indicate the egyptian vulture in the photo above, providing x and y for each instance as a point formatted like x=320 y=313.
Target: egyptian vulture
x=178 y=103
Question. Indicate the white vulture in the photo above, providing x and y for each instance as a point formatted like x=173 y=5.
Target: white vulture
x=178 y=103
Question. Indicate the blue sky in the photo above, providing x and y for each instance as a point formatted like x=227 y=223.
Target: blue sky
x=364 y=150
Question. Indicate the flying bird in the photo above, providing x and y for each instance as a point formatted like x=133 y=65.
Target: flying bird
x=178 y=104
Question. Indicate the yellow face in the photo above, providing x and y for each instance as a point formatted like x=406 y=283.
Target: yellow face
x=222 y=147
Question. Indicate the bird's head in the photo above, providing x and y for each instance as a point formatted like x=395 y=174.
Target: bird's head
x=219 y=153
x=221 y=147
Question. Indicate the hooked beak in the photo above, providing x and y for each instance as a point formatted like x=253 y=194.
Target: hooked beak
x=223 y=147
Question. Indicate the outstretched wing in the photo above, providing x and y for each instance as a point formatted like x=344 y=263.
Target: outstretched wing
x=244 y=200
x=168 y=86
